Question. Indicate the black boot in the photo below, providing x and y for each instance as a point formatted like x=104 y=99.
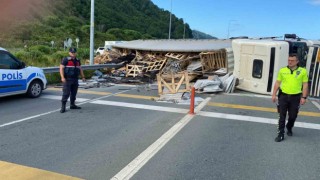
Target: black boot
x=279 y=138
x=289 y=131
x=73 y=106
x=63 y=107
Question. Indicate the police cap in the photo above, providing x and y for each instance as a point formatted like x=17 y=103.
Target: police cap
x=73 y=50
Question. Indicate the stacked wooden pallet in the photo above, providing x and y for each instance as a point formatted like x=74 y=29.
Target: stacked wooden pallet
x=212 y=61
x=174 y=77
x=145 y=62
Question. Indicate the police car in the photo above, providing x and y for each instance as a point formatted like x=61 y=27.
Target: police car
x=16 y=78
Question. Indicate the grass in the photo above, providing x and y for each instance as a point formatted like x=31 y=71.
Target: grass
x=44 y=56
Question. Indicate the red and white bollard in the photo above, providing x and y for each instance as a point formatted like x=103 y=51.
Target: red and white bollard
x=191 y=111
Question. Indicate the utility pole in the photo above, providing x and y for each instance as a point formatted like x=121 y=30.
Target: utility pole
x=170 y=21
x=229 y=23
x=92 y=32
x=228 y=29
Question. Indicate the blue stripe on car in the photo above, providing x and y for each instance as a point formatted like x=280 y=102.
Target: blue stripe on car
x=31 y=77
x=15 y=85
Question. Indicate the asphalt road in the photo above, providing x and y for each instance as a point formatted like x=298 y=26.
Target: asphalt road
x=121 y=132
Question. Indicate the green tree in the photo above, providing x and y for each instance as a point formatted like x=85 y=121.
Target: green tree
x=114 y=20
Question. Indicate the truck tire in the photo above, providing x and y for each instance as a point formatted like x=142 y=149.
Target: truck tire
x=34 y=89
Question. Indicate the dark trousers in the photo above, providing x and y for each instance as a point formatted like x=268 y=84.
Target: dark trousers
x=288 y=104
x=70 y=88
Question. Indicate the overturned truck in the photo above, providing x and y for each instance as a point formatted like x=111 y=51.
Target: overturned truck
x=257 y=62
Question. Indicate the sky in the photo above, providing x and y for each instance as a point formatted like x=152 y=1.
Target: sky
x=253 y=18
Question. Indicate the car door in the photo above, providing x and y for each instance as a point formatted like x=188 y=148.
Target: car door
x=12 y=75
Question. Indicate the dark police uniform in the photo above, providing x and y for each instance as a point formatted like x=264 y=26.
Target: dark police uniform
x=71 y=74
x=289 y=95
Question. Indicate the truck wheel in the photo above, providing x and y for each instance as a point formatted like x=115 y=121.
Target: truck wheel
x=34 y=89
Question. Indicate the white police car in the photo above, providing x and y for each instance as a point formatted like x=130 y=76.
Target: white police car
x=16 y=78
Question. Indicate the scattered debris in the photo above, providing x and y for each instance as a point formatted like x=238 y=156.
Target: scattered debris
x=89 y=84
x=179 y=98
x=216 y=84
x=174 y=72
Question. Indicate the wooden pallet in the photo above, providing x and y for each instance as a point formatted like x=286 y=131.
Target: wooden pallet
x=139 y=57
x=177 y=56
x=157 y=54
x=213 y=60
x=156 y=65
x=133 y=70
x=173 y=83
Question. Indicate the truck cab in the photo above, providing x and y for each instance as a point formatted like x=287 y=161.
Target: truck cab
x=258 y=61
x=16 y=78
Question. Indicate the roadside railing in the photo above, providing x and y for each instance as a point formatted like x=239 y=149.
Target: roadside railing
x=49 y=70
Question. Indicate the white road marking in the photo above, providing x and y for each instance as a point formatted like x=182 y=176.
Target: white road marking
x=316 y=104
x=168 y=109
x=256 y=119
x=238 y=117
x=55 y=98
x=28 y=118
x=145 y=156
x=136 y=164
x=59 y=98
x=140 y=106
x=313 y=100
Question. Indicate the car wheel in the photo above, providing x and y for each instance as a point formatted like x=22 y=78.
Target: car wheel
x=34 y=89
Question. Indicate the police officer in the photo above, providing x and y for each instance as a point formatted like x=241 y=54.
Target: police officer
x=292 y=83
x=70 y=69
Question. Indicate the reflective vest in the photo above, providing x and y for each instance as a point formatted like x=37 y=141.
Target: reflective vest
x=292 y=80
x=71 y=69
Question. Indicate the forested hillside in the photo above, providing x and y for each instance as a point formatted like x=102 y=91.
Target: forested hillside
x=56 y=20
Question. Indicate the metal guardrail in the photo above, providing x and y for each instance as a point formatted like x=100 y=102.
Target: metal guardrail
x=49 y=70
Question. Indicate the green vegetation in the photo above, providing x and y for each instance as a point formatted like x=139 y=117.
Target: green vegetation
x=114 y=20
x=200 y=35
x=44 y=56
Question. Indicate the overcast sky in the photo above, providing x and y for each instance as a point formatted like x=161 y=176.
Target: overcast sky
x=253 y=18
